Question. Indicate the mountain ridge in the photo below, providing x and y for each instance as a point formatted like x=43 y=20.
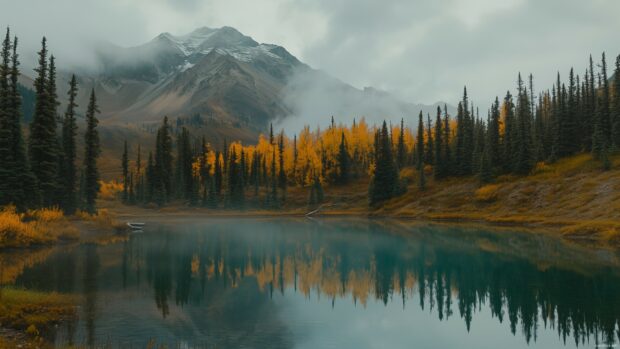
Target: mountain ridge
x=222 y=74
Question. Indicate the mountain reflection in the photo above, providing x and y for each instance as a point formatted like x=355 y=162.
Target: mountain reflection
x=229 y=270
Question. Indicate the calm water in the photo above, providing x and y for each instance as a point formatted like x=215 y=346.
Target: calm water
x=248 y=283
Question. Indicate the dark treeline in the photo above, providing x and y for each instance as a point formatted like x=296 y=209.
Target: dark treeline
x=519 y=131
x=42 y=171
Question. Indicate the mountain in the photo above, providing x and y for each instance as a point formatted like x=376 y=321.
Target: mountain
x=227 y=77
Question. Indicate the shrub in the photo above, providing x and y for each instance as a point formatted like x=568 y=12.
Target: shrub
x=487 y=193
x=109 y=190
x=33 y=228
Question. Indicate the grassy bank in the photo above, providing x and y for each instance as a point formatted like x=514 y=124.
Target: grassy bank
x=31 y=315
x=49 y=226
x=35 y=227
x=572 y=197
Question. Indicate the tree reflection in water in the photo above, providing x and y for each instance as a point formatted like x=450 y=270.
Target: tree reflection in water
x=232 y=268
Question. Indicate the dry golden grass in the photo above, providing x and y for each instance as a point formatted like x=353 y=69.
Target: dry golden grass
x=573 y=194
x=37 y=227
x=488 y=193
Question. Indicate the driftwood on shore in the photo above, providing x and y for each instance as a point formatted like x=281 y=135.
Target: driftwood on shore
x=318 y=209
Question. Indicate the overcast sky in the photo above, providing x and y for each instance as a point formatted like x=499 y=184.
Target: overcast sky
x=423 y=51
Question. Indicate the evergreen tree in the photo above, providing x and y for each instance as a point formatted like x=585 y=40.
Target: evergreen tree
x=163 y=164
x=385 y=181
x=69 y=133
x=465 y=137
x=281 y=169
x=235 y=182
x=43 y=142
x=6 y=161
x=604 y=110
x=218 y=176
x=150 y=178
x=440 y=166
x=523 y=142
x=615 y=105
x=568 y=127
x=494 y=152
x=429 y=156
x=140 y=177
x=91 y=153
x=599 y=141
x=22 y=184
x=460 y=134
x=344 y=166
x=420 y=141
x=185 y=159
x=401 y=150
x=271 y=139
x=509 y=140
x=273 y=194
x=447 y=157
x=125 y=167
x=485 y=170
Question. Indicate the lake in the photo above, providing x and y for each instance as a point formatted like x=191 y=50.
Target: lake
x=333 y=283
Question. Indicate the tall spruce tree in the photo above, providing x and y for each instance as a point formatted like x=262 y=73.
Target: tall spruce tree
x=6 y=161
x=273 y=193
x=599 y=141
x=605 y=112
x=69 y=133
x=420 y=142
x=509 y=139
x=43 y=146
x=494 y=150
x=440 y=166
x=447 y=136
x=125 y=168
x=23 y=185
x=281 y=170
x=344 y=162
x=401 y=154
x=185 y=159
x=385 y=181
x=615 y=107
x=429 y=156
x=163 y=163
x=523 y=141
x=91 y=153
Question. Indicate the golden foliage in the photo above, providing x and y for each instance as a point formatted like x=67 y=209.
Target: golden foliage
x=33 y=228
x=488 y=193
x=109 y=190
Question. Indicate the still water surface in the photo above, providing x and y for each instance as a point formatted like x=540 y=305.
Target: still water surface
x=260 y=283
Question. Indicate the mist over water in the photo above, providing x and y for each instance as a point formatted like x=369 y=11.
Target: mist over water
x=334 y=283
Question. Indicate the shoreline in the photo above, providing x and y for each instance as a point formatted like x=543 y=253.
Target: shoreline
x=567 y=230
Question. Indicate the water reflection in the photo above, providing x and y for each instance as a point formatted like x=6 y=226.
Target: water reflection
x=229 y=283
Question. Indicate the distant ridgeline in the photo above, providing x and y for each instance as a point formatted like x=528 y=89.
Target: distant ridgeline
x=519 y=131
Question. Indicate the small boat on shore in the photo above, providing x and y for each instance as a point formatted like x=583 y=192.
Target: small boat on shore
x=135 y=225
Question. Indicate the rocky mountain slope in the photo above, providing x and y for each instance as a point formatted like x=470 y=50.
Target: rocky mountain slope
x=226 y=77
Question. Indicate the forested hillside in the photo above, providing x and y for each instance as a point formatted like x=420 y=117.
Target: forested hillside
x=519 y=133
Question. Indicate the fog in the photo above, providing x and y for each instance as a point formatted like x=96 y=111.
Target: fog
x=420 y=51
x=314 y=97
